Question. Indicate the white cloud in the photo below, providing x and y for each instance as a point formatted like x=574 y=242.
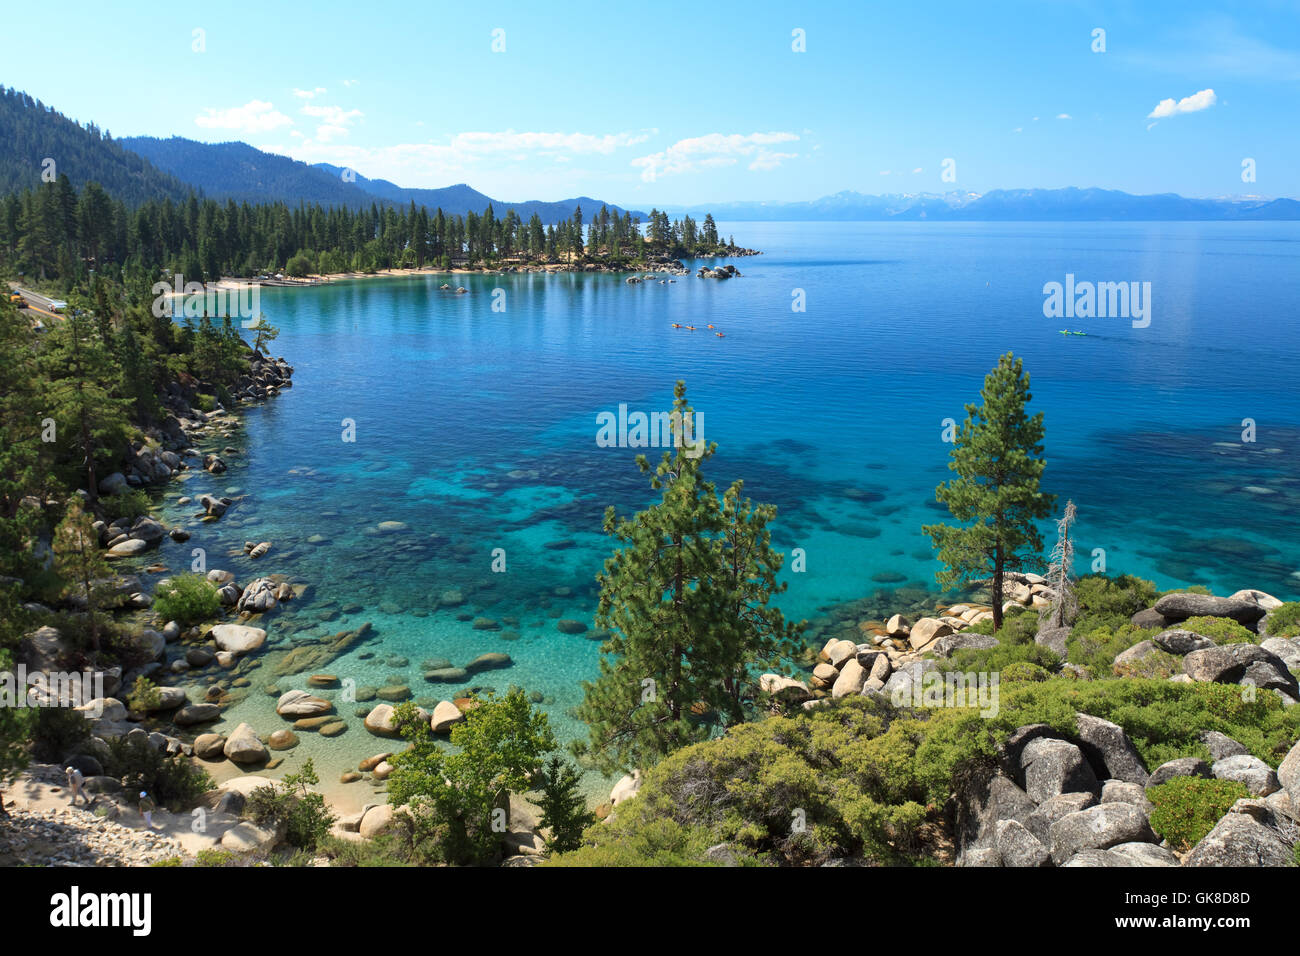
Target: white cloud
x=917 y=170
x=309 y=94
x=351 y=83
x=335 y=115
x=715 y=150
x=334 y=121
x=884 y=172
x=1062 y=115
x=1018 y=129
x=1188 y=104
x=255 y=116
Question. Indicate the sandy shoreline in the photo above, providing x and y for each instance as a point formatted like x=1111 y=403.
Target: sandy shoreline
x=233 y=283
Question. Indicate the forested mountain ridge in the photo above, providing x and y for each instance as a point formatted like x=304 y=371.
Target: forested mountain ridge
x=238 y=171
x=36 y=141
x=245 y=174
x=37 y=144
x=462 y=198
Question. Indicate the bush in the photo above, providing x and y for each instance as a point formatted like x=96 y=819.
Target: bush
x=1285 y=620
x=173 y=781
x=398 y=846
x=217 y=858
x=1024 y=670
x=1222 y=630
x=304 y=815
x=205 y=403
x=452 y=797
x=1096 y=646
x=1187 y=808
x=58 y=732
x=1157 y=665
x=144 y=696
x=130 y=504
x=187 y=599
x=1110 y=602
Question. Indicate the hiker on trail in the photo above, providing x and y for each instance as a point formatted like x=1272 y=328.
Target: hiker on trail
x=75 y=780
x=146 y=809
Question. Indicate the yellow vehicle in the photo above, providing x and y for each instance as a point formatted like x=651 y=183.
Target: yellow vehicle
x=18 y=300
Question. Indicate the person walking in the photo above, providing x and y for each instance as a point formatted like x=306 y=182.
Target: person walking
x=75 y=781
x=146 y=809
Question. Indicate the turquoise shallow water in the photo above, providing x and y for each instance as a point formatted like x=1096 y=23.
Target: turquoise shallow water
x=476 y=428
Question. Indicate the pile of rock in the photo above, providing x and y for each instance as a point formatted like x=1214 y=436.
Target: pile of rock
x=1267 y=665
x=721 y=272
x=265 y=378
x=1082 y=800
x=125 y=538
x=895 y=653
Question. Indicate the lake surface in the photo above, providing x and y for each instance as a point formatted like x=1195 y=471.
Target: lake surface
x=477 y=428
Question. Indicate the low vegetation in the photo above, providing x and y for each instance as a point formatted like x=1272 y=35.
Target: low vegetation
x=187 y=599
x=1187 y=808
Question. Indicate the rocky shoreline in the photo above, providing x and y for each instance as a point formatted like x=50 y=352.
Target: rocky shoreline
x=1058 y=799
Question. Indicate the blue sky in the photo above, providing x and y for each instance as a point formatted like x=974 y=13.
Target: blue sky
x=676 y=104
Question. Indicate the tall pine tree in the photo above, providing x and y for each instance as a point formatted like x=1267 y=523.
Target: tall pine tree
x=686 y=600
x=998 y=460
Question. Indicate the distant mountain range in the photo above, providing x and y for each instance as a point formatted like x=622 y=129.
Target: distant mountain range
x=1009 y=205
x=138 y=168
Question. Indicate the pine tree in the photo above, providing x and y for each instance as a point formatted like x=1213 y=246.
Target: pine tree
x=685 y=598
x=564 y=809
x=91 y=422
x=998 y=460
x=80 y=563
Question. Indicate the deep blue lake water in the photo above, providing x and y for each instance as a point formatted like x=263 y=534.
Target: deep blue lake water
x=477 y=428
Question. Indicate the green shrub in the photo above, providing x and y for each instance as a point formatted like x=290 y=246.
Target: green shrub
x=130 y=504
x=169 y=861
x=205 y=403
x=144 y=696
x=1003 y=656
x=217 y=858
x=1221 y=630
x=653 y=843
x=1096 y=646
x=1187 y=808
x=304 y=814
x=398 y=846
x=187 y=599
x=1158 y=664
x=1110 y=602
x=58 y=731
x=173 y=781
x=1285 y=620
x=1024 y=670
x=452 y=796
